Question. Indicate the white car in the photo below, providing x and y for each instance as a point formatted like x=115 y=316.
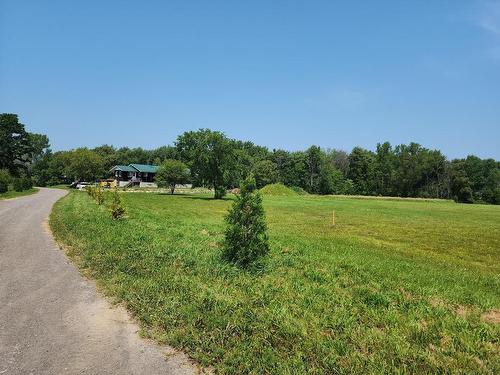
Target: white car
x=82 y=185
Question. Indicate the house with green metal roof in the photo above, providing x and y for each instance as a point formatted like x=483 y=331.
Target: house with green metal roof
x=142 y=175
x=145 y=168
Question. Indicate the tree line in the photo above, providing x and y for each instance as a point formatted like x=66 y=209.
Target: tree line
x=219 y=162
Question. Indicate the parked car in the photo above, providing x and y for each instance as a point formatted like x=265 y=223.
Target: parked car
x=82 y=185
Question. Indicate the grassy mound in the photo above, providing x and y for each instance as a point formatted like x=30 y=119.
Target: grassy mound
x=278 y=190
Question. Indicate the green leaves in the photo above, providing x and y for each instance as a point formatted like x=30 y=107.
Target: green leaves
x=117 y=209
x=171 y=173
x=210 y=155
x=246 y=237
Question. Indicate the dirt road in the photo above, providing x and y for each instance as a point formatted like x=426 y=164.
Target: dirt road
x=52 y=321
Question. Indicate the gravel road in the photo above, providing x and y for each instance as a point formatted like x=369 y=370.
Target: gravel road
x=52 y=320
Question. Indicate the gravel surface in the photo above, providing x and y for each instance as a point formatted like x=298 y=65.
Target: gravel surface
x=52 y=320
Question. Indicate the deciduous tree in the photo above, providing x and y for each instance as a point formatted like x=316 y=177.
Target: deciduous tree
x=171 y=173
x=210 y=157
x=15 y=146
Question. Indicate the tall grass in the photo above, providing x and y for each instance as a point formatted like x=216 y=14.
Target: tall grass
x=394 y=287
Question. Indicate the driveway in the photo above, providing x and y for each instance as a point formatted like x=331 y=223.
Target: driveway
x=52 y=321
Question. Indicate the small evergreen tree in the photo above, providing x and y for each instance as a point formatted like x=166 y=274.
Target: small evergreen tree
x=246 y=237
x=117 y=209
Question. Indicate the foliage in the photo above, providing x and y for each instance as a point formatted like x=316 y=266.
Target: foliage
x=5 y=180
x=171 y=173
x=210 y=156
x=17 y=184
x=296 y=189
x=117 y=209
x=41 y=170
x=217 y=162
x=265 y=172
x=362 y=171
x=39 y=146
x=331 y=180
x=22 y=183
x=365 y=297
x=291 y=167
x=84 y=165
x=98 y=194
x=15 y=146
x=56 y=168
x=245 y=237
x=90 y=190
x=340 y=160
x=313 y=162
x=476 y=180
x=461 y=189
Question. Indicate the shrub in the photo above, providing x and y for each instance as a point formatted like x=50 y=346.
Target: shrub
x=246 y=237
x=117 y=209
x=5 y=180
x=27 y=183
x=99 y=195
x=17 y=184
x=22 y=183
x=90 y=190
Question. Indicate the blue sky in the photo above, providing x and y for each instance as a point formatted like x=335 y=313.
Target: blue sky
x=284 y=74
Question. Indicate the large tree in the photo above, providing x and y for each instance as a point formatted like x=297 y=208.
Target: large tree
x=210 y=157
x=292 y=168
x=340 y=160
x=476 y=180
x=362 y=170
x=15 y=146
x=171 y=173
x=163 y=153
x=84 y=165
x=313 y=160
x=461 y=189
x=265 y=172
x=385 y=166
x=109 y=156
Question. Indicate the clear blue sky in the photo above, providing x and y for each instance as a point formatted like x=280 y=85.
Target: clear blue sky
x=284 y=74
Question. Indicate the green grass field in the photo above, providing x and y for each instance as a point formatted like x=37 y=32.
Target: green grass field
x=14 y=194
x=394 y=287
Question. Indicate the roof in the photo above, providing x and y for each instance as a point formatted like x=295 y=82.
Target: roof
x=145 y=167
x=124 y=168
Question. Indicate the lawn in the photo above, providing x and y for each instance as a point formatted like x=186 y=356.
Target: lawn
x=393 y=287
x=15 y=194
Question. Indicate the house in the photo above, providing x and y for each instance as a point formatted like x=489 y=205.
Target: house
x=142 y=175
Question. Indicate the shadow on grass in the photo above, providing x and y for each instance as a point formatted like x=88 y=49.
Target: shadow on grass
x=205 y=198
x=196 y=197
